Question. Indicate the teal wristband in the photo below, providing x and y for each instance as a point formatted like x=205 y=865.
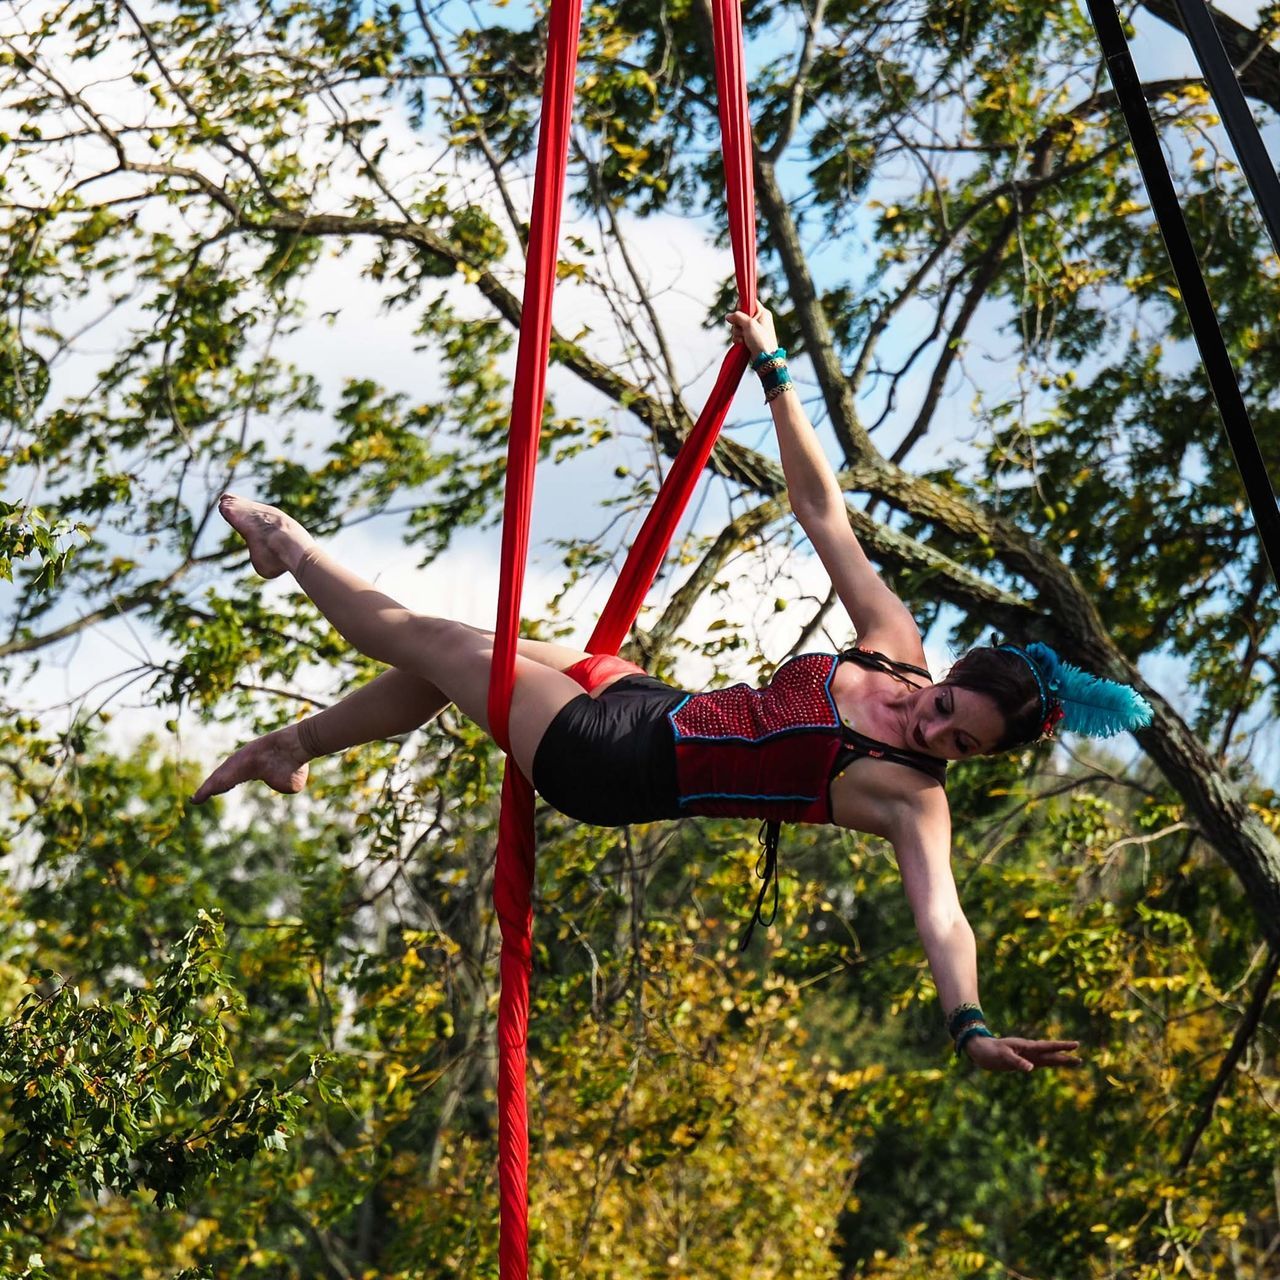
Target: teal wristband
x=764 y=356
x=961 y=1017
x=979 y=1030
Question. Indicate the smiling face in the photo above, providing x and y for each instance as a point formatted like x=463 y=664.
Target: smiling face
x=952 y=723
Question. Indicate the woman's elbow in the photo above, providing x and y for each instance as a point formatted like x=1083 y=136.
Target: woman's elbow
x=946 y=926
x=807 y=508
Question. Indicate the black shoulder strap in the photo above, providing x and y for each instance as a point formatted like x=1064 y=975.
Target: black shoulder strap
x=873 y=660
x=857 y=746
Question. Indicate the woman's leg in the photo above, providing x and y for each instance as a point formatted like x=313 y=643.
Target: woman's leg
x=391 y=704
x=451 y=656
x=397 y=702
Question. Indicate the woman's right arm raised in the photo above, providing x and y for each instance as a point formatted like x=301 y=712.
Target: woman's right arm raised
x=879 y=617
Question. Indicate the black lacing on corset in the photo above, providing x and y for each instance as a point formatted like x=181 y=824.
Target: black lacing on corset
x=766 y=870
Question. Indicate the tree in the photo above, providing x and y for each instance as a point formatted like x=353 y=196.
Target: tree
x=180 y=179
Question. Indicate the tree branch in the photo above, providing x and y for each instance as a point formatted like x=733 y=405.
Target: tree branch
x=795 y=101
x=460 y=89
x=810 y=628
x=1239 y=1043
x=651 y=643
x=988 y=267
x=1258 y=62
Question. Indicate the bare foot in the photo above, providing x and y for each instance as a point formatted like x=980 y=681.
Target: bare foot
x=275 y=541
x=276 y=759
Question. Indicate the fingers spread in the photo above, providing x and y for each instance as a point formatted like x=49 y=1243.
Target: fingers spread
x=1045 y=1053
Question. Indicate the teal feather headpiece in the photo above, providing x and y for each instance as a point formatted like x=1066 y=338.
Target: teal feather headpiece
x=1083 y=703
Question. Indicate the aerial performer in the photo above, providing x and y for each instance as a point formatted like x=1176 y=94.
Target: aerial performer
x=860 y=739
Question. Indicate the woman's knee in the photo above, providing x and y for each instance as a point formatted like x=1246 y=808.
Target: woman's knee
x=413 y=642
x=442 y=645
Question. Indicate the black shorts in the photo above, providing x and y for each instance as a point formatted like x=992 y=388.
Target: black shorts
x=611 y=760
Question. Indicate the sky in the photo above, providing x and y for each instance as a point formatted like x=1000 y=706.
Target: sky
x=684 y=267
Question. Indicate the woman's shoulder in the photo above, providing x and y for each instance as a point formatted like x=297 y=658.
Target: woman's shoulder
x=883 y=799
x=902 y=646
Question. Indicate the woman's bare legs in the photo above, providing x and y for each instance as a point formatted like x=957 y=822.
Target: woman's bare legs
x=437 y=661
x=397 y=702
x=391 y=704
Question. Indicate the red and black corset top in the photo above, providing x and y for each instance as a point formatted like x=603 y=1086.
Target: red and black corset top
x=771 y=753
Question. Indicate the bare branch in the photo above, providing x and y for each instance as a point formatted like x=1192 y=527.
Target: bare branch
x=642 y=292
x=116 y=607
x=795 y=101
x=751 y=522
x=988 y=267
x=1239 y=1043
x=1020 y=190
x=459 y=87
x=217 y=135
x=810 y=628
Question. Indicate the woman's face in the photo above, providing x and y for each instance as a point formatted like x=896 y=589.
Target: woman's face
x=953 y=723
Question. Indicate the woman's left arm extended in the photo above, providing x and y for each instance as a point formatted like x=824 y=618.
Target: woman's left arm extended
x=920 y=831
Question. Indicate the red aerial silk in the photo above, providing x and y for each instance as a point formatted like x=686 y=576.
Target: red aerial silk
x=513 y=875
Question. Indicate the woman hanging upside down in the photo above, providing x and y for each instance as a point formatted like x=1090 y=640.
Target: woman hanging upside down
x=860 y=739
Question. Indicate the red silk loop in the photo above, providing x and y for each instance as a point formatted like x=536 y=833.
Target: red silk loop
x=513 y=872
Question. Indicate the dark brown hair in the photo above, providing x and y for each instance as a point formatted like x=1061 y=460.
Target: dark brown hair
x=1007 y=680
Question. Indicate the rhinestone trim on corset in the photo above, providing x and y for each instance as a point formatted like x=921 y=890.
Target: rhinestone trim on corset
x=761 y=753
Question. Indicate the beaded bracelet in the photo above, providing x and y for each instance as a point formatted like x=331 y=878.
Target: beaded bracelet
x=774 y=379
x=978 y=1030
x=961 y=1016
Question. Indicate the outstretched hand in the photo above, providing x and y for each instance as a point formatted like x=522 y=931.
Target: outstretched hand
x=755 y=332
x=1007 y=1053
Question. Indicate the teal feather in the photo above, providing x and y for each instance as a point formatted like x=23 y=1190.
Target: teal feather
x=1091 y=705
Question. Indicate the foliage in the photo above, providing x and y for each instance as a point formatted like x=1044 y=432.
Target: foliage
x=196 y=192
x=89 y=1088
x=26 y=534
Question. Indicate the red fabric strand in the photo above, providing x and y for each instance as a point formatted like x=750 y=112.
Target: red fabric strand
x=513 y=870
x=529 y=391
x=650 y=547
x=512 y=898
x=735 y=132
x=513 y=873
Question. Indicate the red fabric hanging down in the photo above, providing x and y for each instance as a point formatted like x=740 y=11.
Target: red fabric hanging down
x=513 y=873
x=532 y=351
x=735 y=132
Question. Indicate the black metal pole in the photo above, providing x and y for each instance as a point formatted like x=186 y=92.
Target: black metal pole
x=1228 y=97
x=1191 y=285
